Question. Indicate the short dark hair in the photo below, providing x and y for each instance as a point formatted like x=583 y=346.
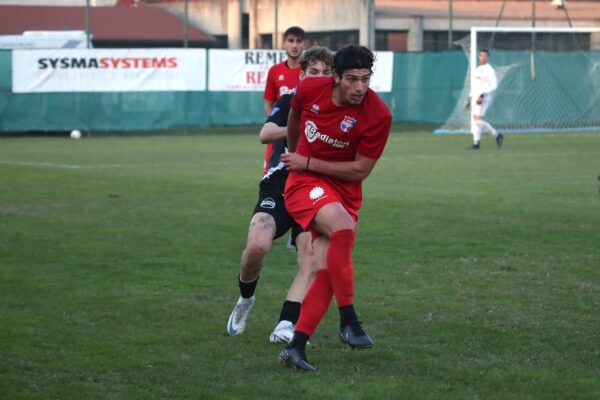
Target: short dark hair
x=295 y=31
x=486 y=51
x=353 y=57
x=316 y=53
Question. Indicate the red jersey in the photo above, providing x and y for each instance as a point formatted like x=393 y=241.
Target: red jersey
x=332 y=133
x=281 y=80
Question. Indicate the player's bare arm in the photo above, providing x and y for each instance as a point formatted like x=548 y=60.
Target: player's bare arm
x=271 y=132
x=269 y=107
x=356 y=170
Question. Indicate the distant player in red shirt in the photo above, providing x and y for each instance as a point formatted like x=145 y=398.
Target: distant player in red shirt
x=337 y=130
x=285 y=76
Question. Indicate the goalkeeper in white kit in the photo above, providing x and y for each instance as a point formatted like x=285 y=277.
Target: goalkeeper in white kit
x=482 y=92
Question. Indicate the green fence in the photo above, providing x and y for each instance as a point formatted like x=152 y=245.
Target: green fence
x=426 y=87
x=537 y=92
x=550 y=91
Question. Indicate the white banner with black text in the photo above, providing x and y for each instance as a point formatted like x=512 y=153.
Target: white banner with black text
x=108 y=70
x=241 y=70
x=246 y=70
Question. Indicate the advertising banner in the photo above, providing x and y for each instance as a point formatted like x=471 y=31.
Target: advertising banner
x=241 y=70
x=108 y=70
x=383 y=71
x=246 y=70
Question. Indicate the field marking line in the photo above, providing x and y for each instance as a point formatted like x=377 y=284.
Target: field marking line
x=59 y=165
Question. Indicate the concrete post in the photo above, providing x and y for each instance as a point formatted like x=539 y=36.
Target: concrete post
x=366 y=29
x=415 y=34
x=234 y=24
x=595 y=41
x=253 y=33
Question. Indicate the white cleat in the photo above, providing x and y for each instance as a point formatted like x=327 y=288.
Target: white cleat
x=237 y=319
x=283 y=332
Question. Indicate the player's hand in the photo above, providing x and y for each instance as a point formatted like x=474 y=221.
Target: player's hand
x=294 y=161
x=468 y=103
x=480 y=100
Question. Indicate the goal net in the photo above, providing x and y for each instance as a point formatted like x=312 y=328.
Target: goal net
x=548 y=79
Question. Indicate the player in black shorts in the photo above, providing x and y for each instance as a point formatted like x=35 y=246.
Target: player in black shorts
x=270 y=194
x=271 y=219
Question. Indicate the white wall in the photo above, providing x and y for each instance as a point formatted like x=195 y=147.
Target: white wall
x=312 y=15
x=207 y=15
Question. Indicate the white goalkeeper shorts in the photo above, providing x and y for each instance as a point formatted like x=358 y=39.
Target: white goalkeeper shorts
x=480 y=109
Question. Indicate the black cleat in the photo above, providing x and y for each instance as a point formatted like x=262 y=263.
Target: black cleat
x=355 y=336
x=473 y=147
x=499 y=140
x=295 y=358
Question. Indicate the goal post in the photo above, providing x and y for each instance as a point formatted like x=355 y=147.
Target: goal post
x=548 y=79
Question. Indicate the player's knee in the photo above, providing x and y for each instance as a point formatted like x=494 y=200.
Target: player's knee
x=257 y=249
x=342 y=221
x=344 y=224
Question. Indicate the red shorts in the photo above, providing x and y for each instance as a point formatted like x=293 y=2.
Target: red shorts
x=305 y=194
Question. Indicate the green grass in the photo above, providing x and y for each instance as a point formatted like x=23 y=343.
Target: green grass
x=477 y=272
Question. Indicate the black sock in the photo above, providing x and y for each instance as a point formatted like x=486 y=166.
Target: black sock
x=290 y=311
x=347 y=315
x=247 y=288
x=298 y=341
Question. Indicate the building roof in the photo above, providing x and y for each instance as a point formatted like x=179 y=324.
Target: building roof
x=106 y=23
x=514 y=10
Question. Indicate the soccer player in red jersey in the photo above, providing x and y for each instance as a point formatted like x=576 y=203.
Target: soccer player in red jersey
x=337 y=130
x=282 y=78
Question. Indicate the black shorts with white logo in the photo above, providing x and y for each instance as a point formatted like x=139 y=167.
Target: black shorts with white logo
x=270 y=201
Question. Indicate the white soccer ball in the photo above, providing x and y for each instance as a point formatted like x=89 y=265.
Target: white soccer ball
x=75 y=134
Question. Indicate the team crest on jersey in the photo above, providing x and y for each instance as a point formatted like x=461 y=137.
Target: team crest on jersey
x=315 y=108
x=281 y=77
x=347 y=123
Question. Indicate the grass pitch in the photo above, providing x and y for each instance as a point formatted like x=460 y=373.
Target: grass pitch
x=477 y=272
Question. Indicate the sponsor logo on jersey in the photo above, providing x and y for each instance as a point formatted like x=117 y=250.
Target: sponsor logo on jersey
x=347 y=123
x=284 y=90
x=281 y=77
x=315 y=108
x=312 y=134
x=311 y=131
x=268 y=203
